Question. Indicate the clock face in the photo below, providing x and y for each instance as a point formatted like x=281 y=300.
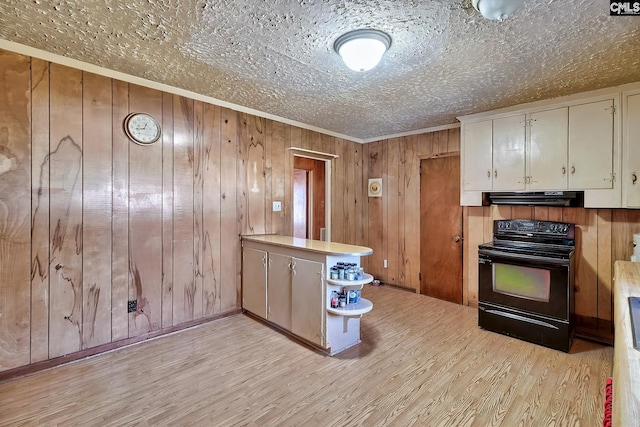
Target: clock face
x=142 y=128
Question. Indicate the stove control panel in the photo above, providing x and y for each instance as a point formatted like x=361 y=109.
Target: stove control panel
x=525 y=226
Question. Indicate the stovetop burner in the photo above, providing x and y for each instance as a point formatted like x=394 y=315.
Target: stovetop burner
x=531 y=237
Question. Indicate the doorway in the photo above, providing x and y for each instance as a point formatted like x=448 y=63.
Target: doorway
x=441 y=228
x=309 y=198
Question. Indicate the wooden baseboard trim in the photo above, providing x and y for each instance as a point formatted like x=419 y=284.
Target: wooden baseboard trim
x=21 y=371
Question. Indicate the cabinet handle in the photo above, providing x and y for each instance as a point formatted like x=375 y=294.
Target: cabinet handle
x=564 y=170
x=488 y=174
x=495 y=173
x=573 y=169
x=634 y=178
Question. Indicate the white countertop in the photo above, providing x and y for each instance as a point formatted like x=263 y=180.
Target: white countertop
x=626 y=359
x=318 y=246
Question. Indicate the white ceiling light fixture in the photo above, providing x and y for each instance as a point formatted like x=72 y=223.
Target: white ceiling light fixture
x=361 y=50
x=496 y=9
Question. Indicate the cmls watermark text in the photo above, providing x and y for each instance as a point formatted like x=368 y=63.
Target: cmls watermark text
x=624 y=8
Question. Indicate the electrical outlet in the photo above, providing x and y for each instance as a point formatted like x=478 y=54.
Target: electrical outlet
x=277 y=206
x=132 y=306
x=385 y=263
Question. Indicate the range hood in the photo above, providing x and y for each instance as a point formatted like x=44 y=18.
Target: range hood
x=535 y=198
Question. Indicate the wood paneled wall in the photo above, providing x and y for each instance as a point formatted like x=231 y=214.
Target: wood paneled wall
x=392 y=222
x=603 y=236
x=90 y=221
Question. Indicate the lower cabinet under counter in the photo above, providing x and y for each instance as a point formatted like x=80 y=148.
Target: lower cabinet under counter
x=285 y=283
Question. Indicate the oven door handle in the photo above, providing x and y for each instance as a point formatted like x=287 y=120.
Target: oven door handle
x=506 y=255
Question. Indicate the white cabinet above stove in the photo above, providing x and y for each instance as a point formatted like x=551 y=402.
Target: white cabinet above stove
x=571 y=143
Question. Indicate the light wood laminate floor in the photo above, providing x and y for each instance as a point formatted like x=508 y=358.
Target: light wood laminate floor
x=422 y=362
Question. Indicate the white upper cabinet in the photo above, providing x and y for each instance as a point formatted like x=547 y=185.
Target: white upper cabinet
x=631 y=167
x=591 y=145
x=572 y=143
x=547 y=152
x=477 y=169
x=509 y=153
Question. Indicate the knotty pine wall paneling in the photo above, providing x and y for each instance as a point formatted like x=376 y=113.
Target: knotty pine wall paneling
x=15 y=209
x=337 y=196
x=409 y=220
x=120 y=214
x=167 y=209
x=364 y=208
x=229 y=220
x=113 y=222
x=96 y=210
x=145 y=220
x=39 y=210
x=65 y=173
x=198 y=208
x=211 y=264
x=392 y=209
x=183 y=211
x=375 y=206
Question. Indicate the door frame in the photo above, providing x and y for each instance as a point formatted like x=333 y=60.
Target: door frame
x=327 y=159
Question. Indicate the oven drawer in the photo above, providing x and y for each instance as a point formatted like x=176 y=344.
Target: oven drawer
x=548 y=332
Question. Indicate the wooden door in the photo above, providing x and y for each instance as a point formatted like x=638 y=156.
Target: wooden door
x=441 y=229
x=254 y=281
x=279 y=290
x=307 y=300
x=508 y=153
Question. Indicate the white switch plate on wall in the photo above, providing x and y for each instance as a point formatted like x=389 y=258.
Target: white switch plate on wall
x=277 y=206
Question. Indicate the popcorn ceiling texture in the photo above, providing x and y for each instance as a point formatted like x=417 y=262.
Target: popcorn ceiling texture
x=277 y=56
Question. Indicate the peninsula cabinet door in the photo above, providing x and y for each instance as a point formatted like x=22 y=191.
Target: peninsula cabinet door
x=591 y=145
x=279 y=291
x=254 y=281
x=307 y=302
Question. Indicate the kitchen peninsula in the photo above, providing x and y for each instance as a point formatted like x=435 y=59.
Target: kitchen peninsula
x=286 y=282
x=626 y=359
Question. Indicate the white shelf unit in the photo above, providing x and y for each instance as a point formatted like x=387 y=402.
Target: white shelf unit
x=356 y=309
x=343 y=323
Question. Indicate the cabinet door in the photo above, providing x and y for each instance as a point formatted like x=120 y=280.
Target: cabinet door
x=591 y=142
x=508 y=153
x=254 y=281
x=307 y=300
x=279 y=290
x=477 y=167
x=547 y=153
x=630 y=183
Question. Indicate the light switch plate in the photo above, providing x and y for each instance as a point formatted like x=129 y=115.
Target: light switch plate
x=277 y=206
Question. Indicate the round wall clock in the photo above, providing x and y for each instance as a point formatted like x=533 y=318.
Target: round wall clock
x=142 y=128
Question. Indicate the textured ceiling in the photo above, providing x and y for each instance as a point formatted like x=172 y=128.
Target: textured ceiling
x=277 y=56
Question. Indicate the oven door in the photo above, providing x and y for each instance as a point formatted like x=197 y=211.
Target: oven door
x=531 y=284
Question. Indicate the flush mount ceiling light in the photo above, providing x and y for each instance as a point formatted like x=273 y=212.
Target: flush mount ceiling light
x=496 y=9
x=361 y=50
